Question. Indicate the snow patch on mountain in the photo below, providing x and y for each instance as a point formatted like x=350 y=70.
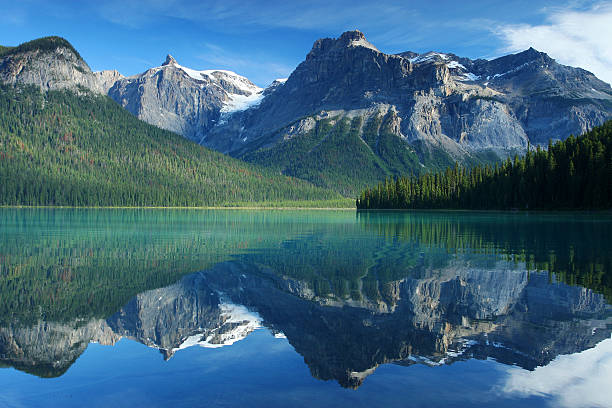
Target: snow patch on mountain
x=454 y=65
x=468 y=76
x=251 y=94
x=511 y=71
x=239 y=102
x=427 y=57
x=238 y=323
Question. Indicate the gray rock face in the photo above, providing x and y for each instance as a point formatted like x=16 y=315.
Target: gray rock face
x=442 y=100
x=182 y=100
x=58 y=68
x=106 y=79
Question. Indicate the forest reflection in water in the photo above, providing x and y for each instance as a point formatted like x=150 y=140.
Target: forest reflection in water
x=348 y=292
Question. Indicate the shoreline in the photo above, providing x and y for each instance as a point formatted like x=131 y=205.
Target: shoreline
x=557 y=210
x=302 y=208
x=173 y=208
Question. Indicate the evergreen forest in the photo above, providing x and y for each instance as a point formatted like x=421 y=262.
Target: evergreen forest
x=572 y=174
x=66 y=148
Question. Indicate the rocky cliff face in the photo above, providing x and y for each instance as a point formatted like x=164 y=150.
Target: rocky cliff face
x=50 y=63
x=433 y=102
x=183 y=100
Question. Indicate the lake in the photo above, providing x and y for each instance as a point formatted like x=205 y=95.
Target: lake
x=282 y=308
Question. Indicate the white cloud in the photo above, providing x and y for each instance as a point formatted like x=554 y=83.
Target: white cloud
x=575 y=380
x=573 y=37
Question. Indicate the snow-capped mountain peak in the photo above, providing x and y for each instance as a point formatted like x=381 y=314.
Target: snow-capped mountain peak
x=241 y=93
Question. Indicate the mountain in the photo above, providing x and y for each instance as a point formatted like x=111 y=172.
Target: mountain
x=50 y=63
x=64 y=142
x=183 y=100
x=350 y=114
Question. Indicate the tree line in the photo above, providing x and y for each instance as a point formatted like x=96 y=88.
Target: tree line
x=572 y=174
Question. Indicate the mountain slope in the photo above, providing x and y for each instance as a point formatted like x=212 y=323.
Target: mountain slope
x=63 y=142
x=349 y=116
x=60 y=148
x=416 y=112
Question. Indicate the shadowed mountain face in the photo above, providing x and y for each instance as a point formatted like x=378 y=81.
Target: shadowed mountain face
x=349 y=294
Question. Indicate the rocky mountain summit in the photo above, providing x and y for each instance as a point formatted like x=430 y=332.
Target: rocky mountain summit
x=172 y=97
x=50 y=63
x=441 y=100
x=184 y=100
x=348 y=103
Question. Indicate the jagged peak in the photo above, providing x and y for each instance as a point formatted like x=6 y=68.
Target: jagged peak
x=532 y=53
x=408 y=54
x=354 y=35
x=348 y=39
x=170 y=60
x=356 y=38
x=50 y=43
x=516 y=61
x=430 y=56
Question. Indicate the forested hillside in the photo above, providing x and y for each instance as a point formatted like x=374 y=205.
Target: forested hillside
x=40 y=44
x=60 y=148
x=572 y=174
x=347 y=155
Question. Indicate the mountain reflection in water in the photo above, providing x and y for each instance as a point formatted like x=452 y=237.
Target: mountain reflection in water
x=349 y=293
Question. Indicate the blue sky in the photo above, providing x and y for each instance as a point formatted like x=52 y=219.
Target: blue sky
x=264 y=40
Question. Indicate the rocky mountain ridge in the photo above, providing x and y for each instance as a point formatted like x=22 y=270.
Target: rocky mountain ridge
x=49 y=63
x=346 y=103
x=337 y=78
x=441 y=99
x=350 y=114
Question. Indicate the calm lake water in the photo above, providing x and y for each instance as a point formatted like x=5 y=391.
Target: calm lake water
x=239 y=308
